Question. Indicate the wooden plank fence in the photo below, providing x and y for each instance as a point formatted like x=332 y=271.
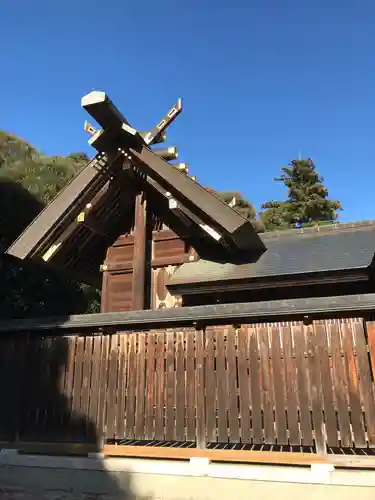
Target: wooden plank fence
x=276 y=386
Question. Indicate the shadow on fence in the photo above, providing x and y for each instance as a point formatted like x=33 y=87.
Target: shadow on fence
x=33 y=378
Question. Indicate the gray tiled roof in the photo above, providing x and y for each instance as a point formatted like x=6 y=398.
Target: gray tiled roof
x=298 y=251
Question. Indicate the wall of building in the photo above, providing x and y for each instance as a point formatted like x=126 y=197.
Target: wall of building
x=168 y=252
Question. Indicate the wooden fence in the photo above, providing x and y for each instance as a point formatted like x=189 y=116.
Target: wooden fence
x=276 y=385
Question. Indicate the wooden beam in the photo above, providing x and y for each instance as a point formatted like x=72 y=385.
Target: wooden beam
x=140 y=253
x=173 y=453
x=78 y=192
x=244 y=456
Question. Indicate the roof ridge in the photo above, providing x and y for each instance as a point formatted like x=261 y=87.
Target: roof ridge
x=325 y=228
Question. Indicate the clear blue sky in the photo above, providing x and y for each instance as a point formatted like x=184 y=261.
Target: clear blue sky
x=262 y=81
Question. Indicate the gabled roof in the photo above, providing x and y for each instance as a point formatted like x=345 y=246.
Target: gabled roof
x=75 y=229
x=292 y=253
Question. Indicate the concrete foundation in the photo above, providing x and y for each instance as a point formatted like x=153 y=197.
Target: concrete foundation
x=27 y=477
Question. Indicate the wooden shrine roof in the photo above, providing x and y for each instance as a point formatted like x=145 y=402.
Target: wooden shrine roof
x=97 y=206
x=290 y=254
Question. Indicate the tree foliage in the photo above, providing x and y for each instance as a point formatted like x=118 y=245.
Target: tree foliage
x=242 y=206
x=307 y=202
x=28 y=181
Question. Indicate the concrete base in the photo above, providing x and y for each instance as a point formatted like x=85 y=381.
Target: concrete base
x=40 y=477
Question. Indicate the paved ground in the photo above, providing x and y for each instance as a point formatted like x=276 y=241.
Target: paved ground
x=15 y=494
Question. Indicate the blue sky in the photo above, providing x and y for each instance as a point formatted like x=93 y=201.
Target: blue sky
x=263 y=81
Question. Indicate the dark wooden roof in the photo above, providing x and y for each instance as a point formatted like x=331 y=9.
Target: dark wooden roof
x=290 y=254
x=87 y=216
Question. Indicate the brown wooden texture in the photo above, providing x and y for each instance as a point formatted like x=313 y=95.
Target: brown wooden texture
x=180 y=387
x=140 y=254
x=303 y=384
x=170 y=389
x=210 y=383
x=266 y=385
x=222 y=387
x=291 y=385
x=112 y=386
x=366 y=378
x=190 y=386
x=244 y=386
x=132 y=387
x=200 y=390
x=160 y=386
x=256 y=385
x=118 y=292
x=150 y=387
x=315 y=390
x=353 y=386
x=277 y=384
x=140 y=388
x=123 y=269
x=339 y=386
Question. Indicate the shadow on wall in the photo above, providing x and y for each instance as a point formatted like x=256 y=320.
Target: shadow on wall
x=44 y=400
x=27 y=290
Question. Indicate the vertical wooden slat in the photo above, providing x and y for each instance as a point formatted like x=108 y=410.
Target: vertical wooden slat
x=170 y=388
x=316 y=391
x=222 y=391
x=159 y=386
x=356 y=415
x=42 y=376
x=95 y=375
x=20 y=353
x=234 y=430
x=340 y=384
x=61 y=373
x=302 y=382
x=53 y=400
x=29 y=389
x=210 y=385
x=131 y=392
x=199 y=390
x=103 y=384
x=244 y=386
x=121 y=387
x=140 y=253
x=291 y=386
x=112 y=388
x=180 y=387
x=190 y=386
x=141 y=387
x=86 y=379
x=76 y=429
x=256 y=385
x=370 y=328
x=9 y=366
x=367 y=388
x=49 y=390
x=322 y=336
x=69 y=378
x=279 y=385
x=150 y=386
x=266 y=385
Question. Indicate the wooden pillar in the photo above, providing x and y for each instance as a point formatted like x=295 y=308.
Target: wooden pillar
x=140 y=254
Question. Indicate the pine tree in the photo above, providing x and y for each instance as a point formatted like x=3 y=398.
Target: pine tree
x=307 y=203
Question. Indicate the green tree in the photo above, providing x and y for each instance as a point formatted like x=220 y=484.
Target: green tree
x=307 y=202
x=28 y=181
x=242 y=206
x=12 y=148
